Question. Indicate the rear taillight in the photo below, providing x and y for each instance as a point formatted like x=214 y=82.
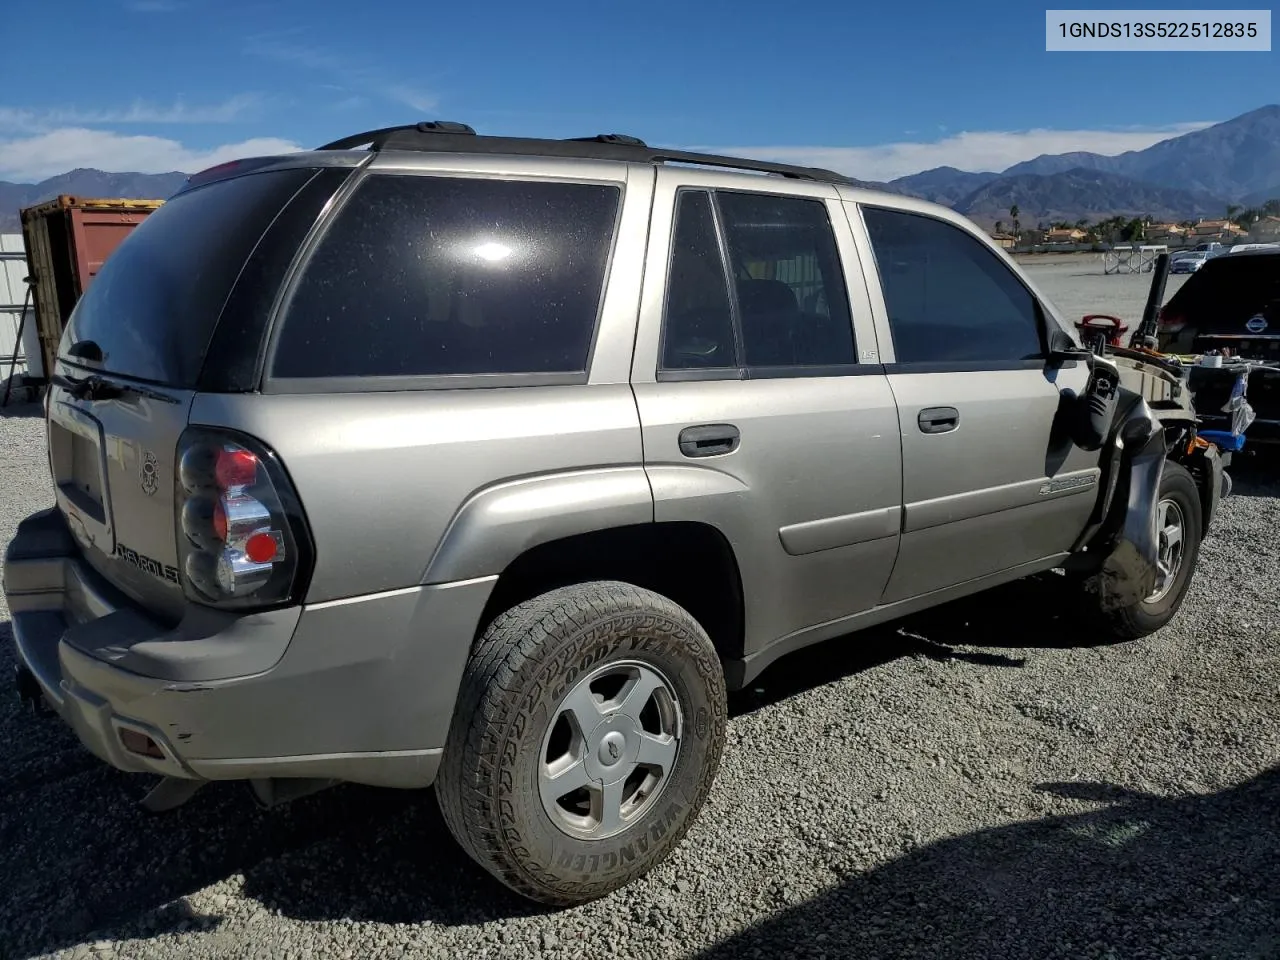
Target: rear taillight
x=242 y=537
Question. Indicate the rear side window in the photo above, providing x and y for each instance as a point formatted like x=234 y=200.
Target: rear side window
x=153 y=305
x=791 y=294
x=792 y=311
x=949 y=299
x=699 y=317
x=423 y=276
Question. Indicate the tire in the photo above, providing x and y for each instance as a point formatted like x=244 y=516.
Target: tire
x=1178 y=494
x=494 y=785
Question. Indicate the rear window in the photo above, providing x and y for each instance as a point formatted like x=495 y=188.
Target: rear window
x=428 y=276
x=153 y=305
x=1223 y=294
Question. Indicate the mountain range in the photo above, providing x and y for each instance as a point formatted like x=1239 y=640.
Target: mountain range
x=83 y=183
x=1197 y=174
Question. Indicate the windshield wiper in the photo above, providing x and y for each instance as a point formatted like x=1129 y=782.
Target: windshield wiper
x=95 y=387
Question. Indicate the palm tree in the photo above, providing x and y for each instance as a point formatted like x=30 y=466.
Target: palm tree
x=1232 y=210
x=999 y=226
x=1013 y=214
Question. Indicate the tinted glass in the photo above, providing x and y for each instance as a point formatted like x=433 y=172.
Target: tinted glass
x=699 y=320
x=435 y=276
x=791 y=293
x=154 y=303
x=1224 y=294
x=950 y=300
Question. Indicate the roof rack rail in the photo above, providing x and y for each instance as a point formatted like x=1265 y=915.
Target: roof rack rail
x=376 y=138
x=447 y=137
x=610 y=138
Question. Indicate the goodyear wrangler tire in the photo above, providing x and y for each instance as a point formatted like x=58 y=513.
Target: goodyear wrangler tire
x=587 y=733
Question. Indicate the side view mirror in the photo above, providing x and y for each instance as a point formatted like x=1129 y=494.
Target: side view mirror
x=1094 y=409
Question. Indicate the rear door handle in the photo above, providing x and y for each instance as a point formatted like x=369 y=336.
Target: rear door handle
x=709 y=440
x=938 y=419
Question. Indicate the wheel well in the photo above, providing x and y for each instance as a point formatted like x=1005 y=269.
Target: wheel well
x=689 y=563
x=1180 y=431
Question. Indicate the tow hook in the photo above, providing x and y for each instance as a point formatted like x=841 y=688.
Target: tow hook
x=29 y=690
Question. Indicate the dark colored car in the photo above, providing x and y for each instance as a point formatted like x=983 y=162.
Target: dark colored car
x=1231 y=306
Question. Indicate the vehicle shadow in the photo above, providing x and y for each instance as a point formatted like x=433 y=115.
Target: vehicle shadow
x=19 y=409
x=1023 y=615
x=1142 y=876
x=82 y=860
x=1257 y=475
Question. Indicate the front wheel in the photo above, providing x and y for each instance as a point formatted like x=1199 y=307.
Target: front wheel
x=587 y=733
x=1179 y=527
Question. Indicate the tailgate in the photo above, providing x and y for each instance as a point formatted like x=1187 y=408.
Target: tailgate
x=112 y=463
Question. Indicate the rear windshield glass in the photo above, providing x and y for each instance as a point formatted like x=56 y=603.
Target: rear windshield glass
x=153 y=305
x=1228 y=290
x=425 y=276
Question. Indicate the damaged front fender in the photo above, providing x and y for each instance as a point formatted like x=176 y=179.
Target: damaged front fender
x=1124 y=548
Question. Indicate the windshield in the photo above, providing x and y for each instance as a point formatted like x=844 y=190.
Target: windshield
x=151 y=309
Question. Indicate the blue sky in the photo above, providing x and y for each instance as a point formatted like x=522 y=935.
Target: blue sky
x=873 y=90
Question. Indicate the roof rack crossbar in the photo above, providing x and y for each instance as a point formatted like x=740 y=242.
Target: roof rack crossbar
x=444 y=139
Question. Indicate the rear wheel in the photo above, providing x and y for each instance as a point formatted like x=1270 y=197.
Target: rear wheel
x=586 y=737
x=1179 y=527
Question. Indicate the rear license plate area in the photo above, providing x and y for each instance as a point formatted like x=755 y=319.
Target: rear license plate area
x=76 y=460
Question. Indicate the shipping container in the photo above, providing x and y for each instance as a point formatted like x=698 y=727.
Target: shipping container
x=67 y=240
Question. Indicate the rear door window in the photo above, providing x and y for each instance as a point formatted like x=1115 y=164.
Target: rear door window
x=787 y=275
x=430 y=276
x=792 y=313
x=153 y=306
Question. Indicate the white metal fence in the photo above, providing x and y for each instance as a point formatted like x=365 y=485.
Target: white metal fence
x=13 y=292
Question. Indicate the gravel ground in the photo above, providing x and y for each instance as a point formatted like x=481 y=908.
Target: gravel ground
x=975 y=782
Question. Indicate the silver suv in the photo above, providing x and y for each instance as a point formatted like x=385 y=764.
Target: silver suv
x=491 y=463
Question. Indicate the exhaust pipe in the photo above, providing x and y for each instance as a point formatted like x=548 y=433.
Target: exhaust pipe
x=29 y=691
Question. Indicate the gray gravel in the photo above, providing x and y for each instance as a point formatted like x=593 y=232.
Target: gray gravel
x=976 y=782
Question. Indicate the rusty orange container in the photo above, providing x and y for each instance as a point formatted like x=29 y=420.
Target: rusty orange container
x=67 y=240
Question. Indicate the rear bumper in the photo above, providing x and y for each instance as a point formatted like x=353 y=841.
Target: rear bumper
x=359 y=690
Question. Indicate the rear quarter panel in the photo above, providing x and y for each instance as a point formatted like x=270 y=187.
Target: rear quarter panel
x=382 y=476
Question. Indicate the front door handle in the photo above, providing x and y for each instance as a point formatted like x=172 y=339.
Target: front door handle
x=938 y=419
x=709 y=440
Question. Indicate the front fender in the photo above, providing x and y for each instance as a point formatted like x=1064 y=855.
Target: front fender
x=1125 y=547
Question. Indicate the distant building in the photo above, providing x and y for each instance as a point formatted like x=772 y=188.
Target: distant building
x=1216 y=230
x=1165 y=233
x=1065 y=235
x=1006 y=240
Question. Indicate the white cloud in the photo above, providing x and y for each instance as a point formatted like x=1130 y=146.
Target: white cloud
x=977 y=151
x=23 y=120
x=32 y=159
